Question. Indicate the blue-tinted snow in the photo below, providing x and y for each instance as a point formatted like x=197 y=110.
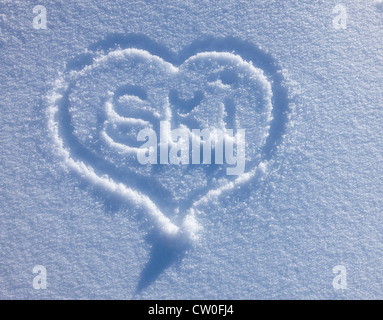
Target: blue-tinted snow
x=316 y=205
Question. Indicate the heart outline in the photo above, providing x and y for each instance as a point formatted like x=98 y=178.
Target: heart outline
x=187 y=232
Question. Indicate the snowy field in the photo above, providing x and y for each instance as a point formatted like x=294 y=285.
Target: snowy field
x=288 y=208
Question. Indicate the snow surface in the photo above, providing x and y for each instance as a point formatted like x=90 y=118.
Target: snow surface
x=75 y=200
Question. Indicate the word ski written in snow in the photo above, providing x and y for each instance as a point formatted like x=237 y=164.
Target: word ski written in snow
x=179 y=142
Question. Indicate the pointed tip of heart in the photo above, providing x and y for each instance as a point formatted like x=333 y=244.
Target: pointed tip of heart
x=190 y=227
x=185 y=235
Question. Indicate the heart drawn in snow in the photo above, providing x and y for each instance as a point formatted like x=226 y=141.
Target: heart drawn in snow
x=98 y=107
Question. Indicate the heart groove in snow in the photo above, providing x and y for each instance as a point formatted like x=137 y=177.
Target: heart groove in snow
x=108 y=95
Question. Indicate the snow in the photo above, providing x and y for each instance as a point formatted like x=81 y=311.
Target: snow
x=75 y=200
